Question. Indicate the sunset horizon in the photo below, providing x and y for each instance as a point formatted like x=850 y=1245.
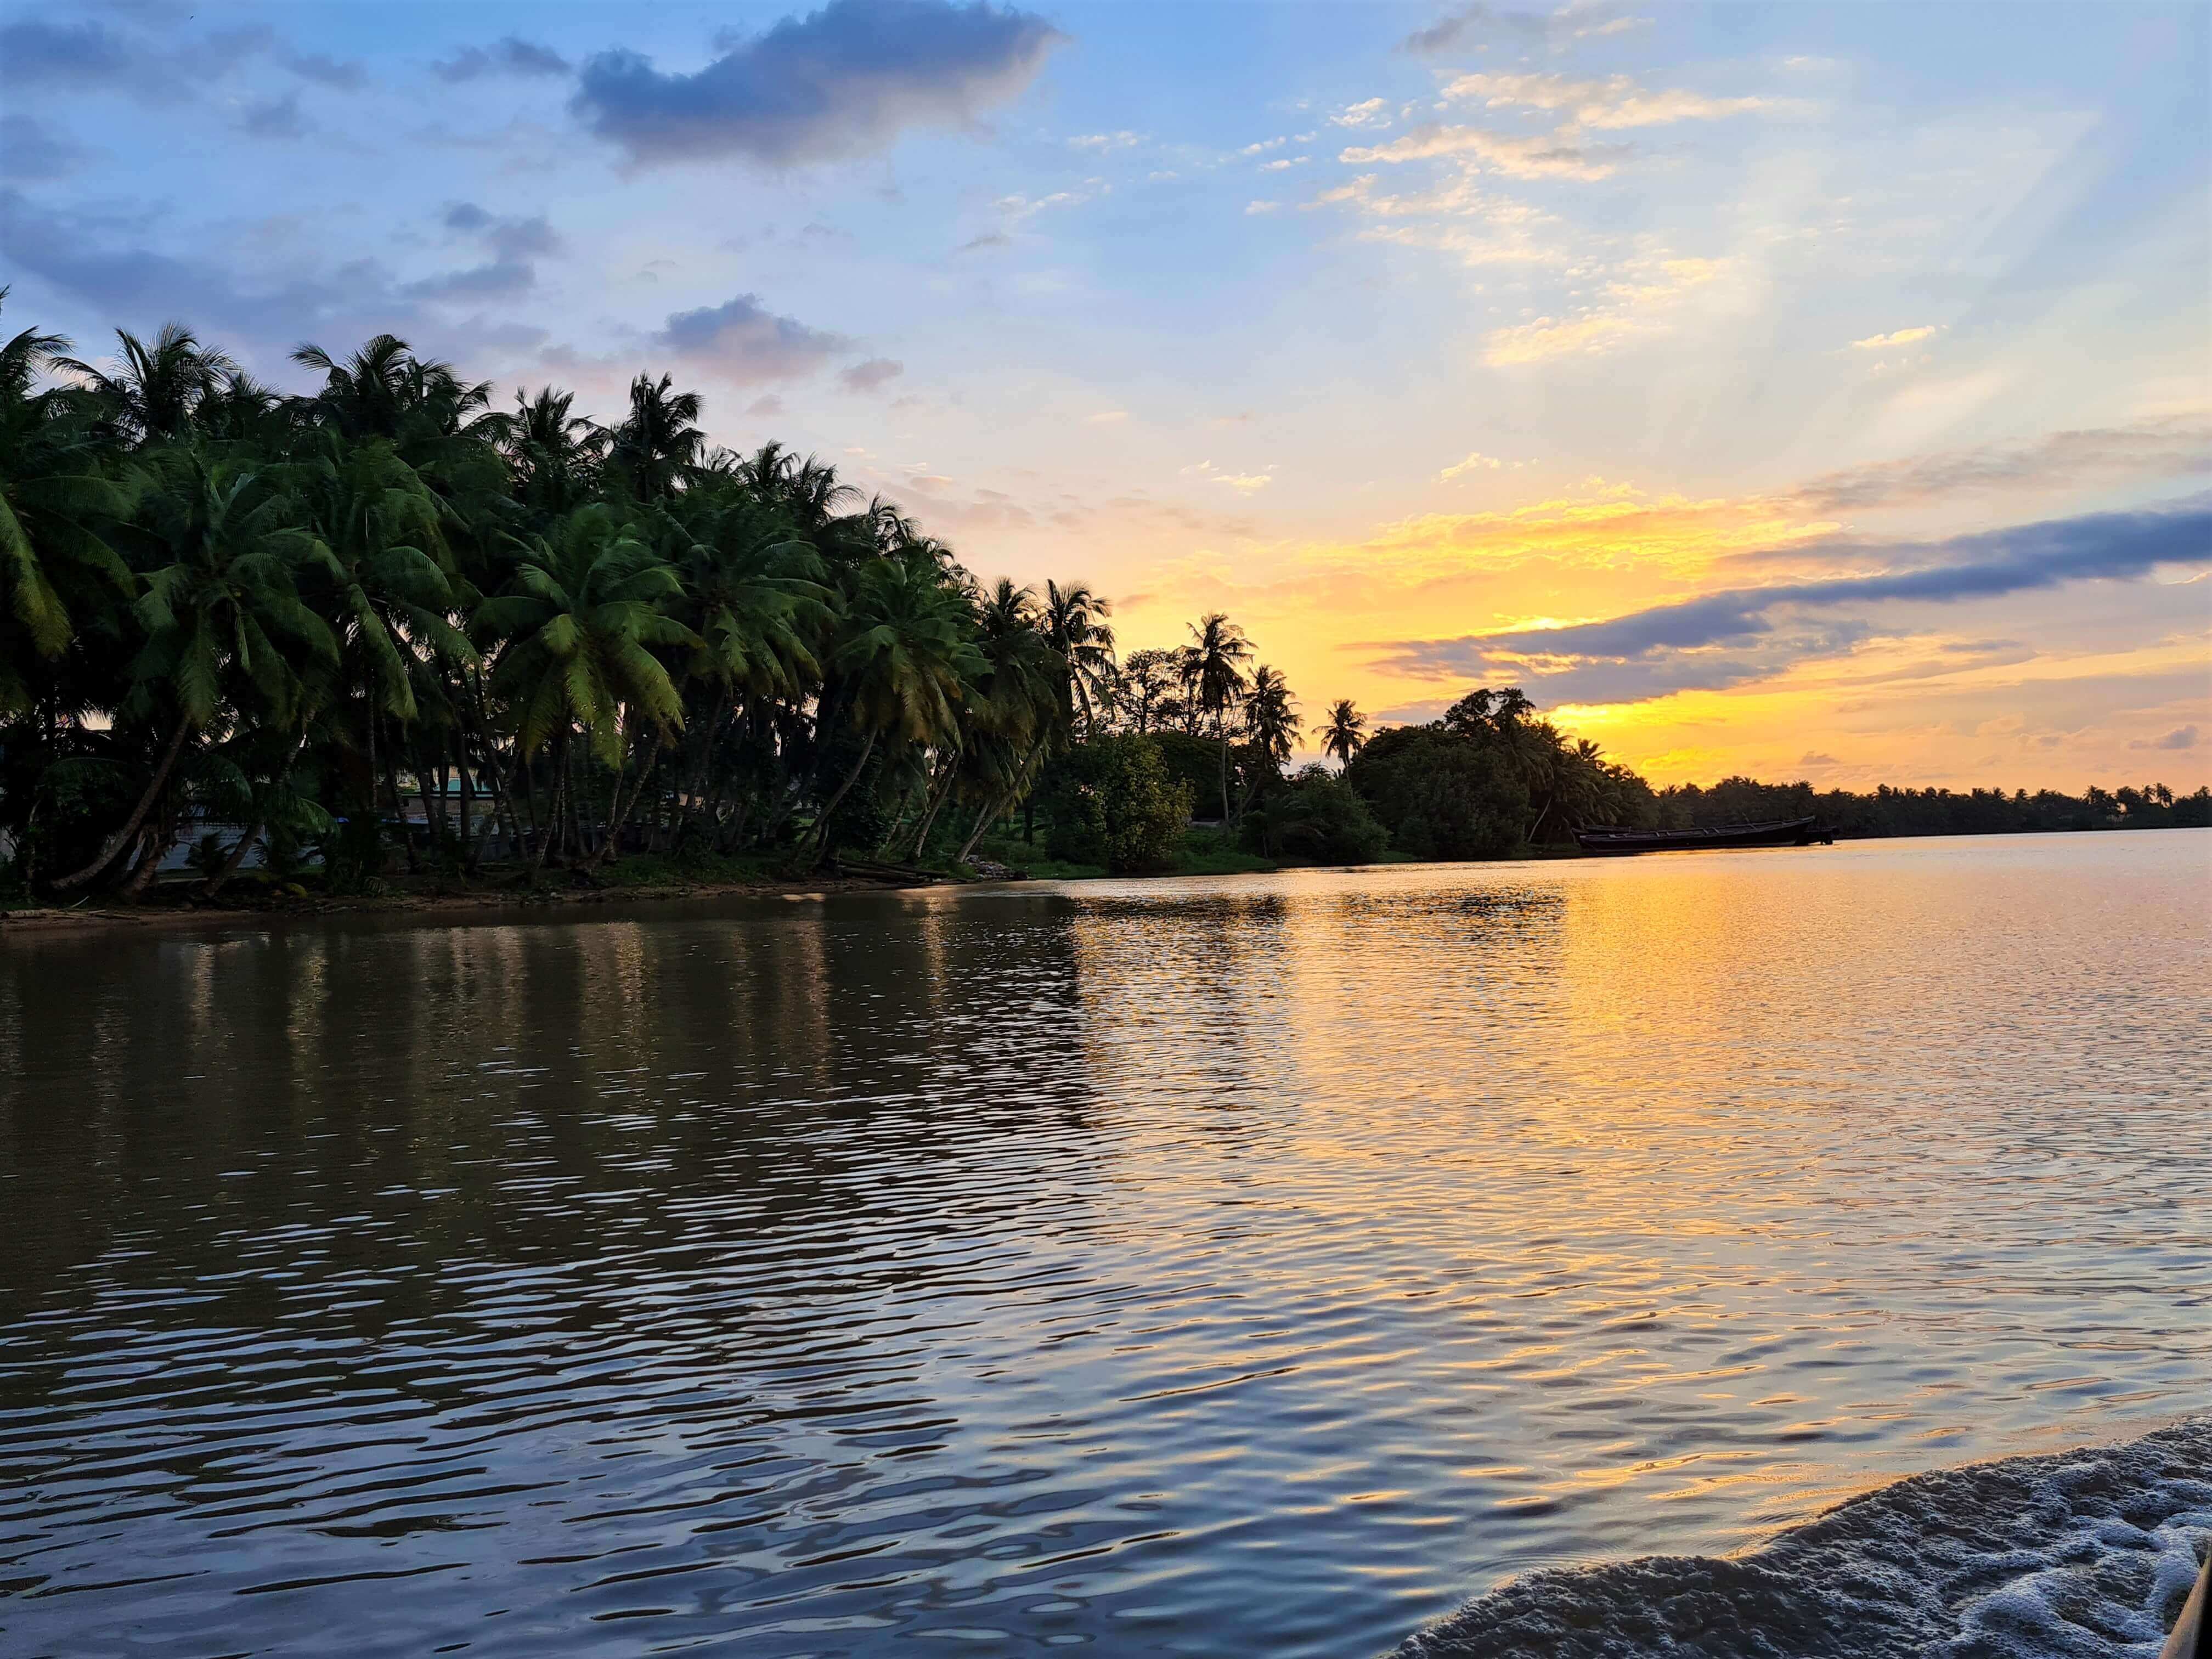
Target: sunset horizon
x=1788 y=393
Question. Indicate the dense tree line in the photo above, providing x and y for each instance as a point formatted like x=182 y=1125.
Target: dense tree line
x=1888 y=811
x=318 y=618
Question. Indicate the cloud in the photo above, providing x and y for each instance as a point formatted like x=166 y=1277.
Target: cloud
x=103 y=259
x=510 y=56
x=1570 y=23
x=1541 y=156
x=744 y=342
x=2182 y=736
x=1018 y=208
x=1252 y=208
x=273 y=118
x=1107 y=417
x=1373 y=113
x=988 y=239
x=36 y=56
x=842 y=81
x=326 y=71
x=1814 y=757
x=1726 y=638
x=870 y=375
x=1903 y=337
x=2170 y=446
x=1629 y=310
x=31 y=152
x=1244 y=483
x=512 y=243
x=1609 y=104
x=763 y=408
x=1474 y=461
x=1283 y=164
x=1105 y=143
x=90 y=54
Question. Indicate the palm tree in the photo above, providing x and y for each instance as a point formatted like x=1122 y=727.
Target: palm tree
x=1017 y=707
x=553 y=451
x=58 y=503
x=1271 y=718
x=1215 y=665
x=902 y=668
x=579 y=618
x=223 y=619
x=154 y=390
x=757 y=598
x=375 y=524
x=660 y=440
x=1345 y=733
x=1075 y=624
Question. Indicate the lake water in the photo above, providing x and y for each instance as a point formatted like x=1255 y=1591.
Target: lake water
x=1253 y=1266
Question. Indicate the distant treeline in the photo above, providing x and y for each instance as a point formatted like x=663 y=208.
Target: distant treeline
x=1888 y=811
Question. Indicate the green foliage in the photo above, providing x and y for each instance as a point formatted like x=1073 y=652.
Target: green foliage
x=1317 y=816
x=1213 y=852
x=387 y=603
x=1117 y=804
x=1441 y=795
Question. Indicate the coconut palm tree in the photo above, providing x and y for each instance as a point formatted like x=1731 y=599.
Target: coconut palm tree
x=1270 y=719
x=1214 y=666
x=222 y=617
x=553 y=453
x=1017 y=706
x=659 y=441
x=903 y=666
x=579 y=621
x=153 y=391
x=1075 y=625
x=59 y=499
x=1345 y=733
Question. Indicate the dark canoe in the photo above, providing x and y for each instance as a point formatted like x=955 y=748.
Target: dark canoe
x=1782 y=832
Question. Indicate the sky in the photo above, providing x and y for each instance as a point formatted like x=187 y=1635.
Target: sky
x=1803 y=390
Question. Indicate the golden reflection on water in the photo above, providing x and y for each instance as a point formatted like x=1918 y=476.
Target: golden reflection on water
x=1074 y=1264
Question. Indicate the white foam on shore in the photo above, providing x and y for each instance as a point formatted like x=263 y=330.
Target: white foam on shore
x=2085 y=1554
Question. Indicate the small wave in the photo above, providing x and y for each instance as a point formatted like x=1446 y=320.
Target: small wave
x=2084 y=1554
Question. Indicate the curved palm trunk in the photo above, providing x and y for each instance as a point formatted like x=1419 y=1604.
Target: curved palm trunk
x=122 y=837
x=215 y=882
x=984 y=820
x=829 y=808
x=1224 y=776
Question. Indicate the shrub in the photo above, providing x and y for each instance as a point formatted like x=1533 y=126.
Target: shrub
x=1317 y=816
x=1115 y=804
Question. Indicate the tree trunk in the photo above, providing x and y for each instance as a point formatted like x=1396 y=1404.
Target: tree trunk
x=1224 y=779
x=940 y=792
x=150 y=862
x=122 y=837
x=997 y=804
x=829 y=810
x=1539 y=823
x=552 y=826
x=215 y=882
x=398 y=807
x=615 y=821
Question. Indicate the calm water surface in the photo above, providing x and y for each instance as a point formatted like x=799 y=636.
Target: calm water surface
x=1251 y=1266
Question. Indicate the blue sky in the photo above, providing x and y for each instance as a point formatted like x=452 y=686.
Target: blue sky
x=1434 y=343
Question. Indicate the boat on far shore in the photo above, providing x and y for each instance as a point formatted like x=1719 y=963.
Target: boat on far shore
x=1779 y=832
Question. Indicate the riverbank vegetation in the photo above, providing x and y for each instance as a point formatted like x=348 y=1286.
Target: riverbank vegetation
x=387 y=633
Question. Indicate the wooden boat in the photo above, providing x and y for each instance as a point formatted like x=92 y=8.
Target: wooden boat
x=1781 y=832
